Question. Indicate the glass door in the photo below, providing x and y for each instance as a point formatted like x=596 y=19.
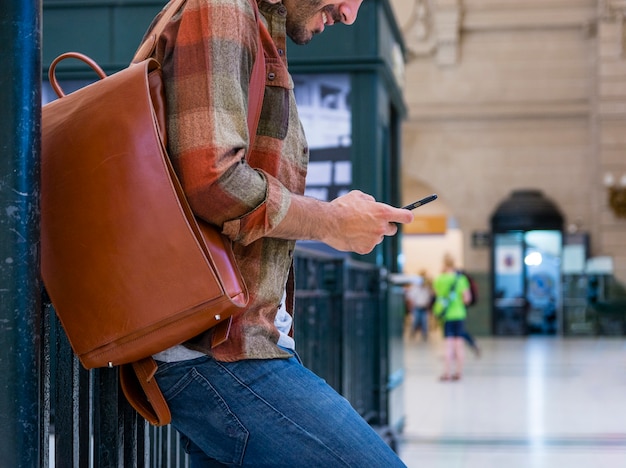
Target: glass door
x=527 y=282
x=509 y=295
x=542 y=261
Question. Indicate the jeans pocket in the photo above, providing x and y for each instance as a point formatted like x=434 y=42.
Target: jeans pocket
x=202 y=415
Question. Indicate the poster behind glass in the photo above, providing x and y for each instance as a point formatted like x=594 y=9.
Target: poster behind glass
x=324 y=108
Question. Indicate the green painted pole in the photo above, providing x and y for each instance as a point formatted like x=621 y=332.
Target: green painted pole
x=20 y=286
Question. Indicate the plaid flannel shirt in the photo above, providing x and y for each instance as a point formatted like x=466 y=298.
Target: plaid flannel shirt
x=207 y=52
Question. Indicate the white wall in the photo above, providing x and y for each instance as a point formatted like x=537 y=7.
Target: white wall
x=425 y=252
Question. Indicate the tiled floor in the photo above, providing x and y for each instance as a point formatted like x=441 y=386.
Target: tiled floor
x=538 y=402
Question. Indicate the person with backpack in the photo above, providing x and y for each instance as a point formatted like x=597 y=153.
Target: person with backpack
x=452 y=292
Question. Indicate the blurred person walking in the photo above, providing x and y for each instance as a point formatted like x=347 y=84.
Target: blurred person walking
x=419 y=298
x=452 y=292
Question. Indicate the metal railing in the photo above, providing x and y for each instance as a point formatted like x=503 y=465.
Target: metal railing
x=342 y=334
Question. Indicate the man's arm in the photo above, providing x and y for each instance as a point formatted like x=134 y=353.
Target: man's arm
x=354 y=222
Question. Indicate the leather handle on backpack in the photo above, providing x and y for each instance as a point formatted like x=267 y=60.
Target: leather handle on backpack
x=77 y=55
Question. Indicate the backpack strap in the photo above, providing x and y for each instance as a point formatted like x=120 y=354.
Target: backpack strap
x=447 y=300
x=453 y=286
x=257 y=79
x=156 y=28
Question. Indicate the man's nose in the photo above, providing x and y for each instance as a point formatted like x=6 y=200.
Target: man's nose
x=349 y=10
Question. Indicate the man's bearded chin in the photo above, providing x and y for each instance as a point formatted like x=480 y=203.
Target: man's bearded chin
x=299 y=34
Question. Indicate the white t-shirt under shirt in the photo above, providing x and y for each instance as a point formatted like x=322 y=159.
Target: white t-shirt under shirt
x=282 y=322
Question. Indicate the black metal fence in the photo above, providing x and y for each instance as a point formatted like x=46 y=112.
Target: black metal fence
x=346 y=323
x=86 y=419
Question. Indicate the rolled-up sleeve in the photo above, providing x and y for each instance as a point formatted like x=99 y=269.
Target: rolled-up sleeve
x=262 y=220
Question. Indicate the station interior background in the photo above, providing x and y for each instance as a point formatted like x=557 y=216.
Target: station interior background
x=512 y=94
x=504 y=96
x=507 y=98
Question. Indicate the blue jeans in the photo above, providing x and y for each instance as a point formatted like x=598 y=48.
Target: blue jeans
x=266 y=413
x=420 y=321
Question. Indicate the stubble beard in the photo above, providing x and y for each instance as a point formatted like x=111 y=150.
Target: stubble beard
x=298 y=18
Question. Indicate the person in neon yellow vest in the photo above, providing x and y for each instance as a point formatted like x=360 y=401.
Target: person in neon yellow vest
x=452 y=292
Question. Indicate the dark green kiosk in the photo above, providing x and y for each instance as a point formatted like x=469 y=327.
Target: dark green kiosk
x=348 y=84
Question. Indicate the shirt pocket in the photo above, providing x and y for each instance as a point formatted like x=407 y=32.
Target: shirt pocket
x=274 y=119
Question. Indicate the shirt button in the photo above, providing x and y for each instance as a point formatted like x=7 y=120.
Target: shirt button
x=282 y=10
x=271 y=76
x=305 y=150
x=281 y=51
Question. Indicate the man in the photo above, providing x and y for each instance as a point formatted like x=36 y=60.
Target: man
x=248 y=401
x=452 y=293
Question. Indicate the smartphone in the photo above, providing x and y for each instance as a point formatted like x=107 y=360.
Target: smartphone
x=421 y=202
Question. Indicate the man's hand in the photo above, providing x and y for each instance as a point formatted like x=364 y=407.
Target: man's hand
x=354 y=222
x=359 y=223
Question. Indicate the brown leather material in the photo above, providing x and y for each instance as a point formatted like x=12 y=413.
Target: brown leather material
x=146 y=48
x=127 y=267
x=141 y=390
